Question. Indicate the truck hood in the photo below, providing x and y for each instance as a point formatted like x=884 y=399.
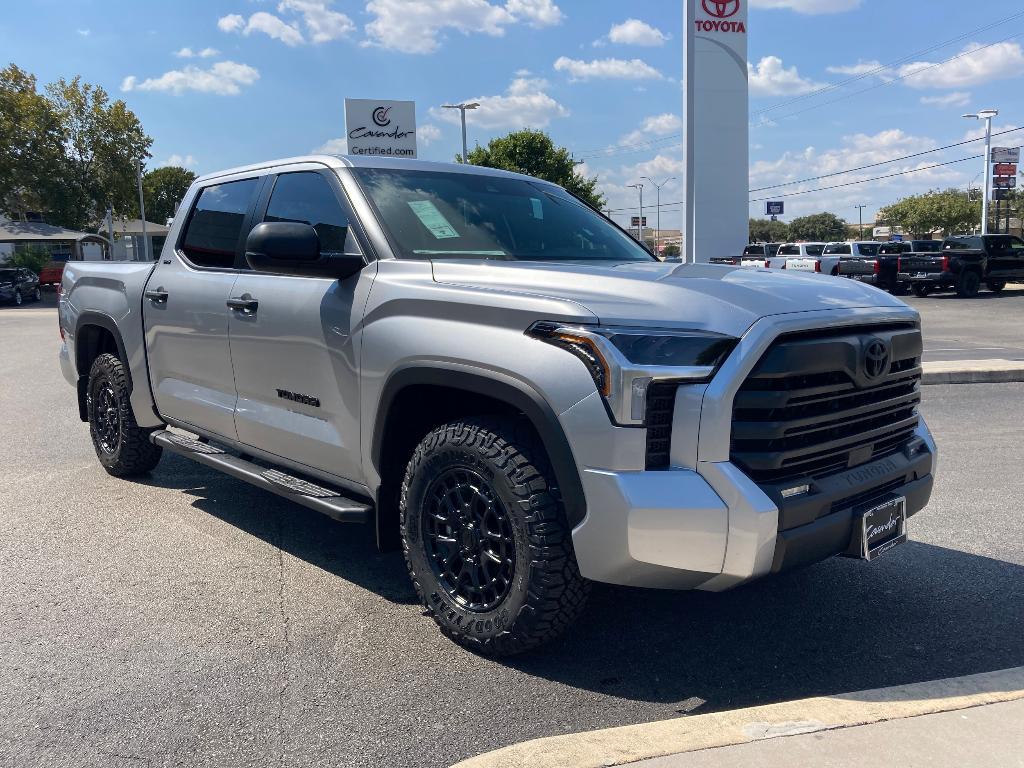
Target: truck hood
x=698 y=296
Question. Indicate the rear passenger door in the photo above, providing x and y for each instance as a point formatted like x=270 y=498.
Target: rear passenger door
x=185 y=311
x=296 y=352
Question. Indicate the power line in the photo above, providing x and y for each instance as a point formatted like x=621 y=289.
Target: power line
x=883 y=162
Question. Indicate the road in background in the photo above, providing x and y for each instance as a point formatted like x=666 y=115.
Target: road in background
x=989 y=327
x=190 y=619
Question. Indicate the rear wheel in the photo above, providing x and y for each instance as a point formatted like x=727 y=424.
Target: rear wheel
x=485 y=537
x=996 y=285
x=921 y=290
x=968 y=284
x=121 y=445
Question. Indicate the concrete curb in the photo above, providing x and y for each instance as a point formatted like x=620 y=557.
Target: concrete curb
x=973 y=372
x=619 y=746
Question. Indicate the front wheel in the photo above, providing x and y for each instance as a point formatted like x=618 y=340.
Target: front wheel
x=996 y=285
x=121 y=445
x=921 y=290
x=486 y=540
x=968 y=284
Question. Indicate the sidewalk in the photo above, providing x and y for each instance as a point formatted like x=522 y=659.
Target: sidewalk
x=990 y=736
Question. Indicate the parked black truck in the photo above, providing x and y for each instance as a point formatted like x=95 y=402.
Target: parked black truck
x=887 y=263
x=965 y=263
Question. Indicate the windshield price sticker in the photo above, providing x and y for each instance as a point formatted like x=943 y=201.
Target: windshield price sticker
x=433 y=219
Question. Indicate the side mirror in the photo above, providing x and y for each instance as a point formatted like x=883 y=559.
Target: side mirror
x=291 y=248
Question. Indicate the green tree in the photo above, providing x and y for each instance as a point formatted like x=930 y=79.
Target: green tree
x=69 y=151
x=768 y=231
x=950 y=211
x=535 y=154
x=670 y=251
x=819 y=227
x=33 y=257
x=163 y=189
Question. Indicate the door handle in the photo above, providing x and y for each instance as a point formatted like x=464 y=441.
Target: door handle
x=157 y=297
x=246 y=306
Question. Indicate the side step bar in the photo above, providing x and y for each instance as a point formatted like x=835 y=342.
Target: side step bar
x=326 y=500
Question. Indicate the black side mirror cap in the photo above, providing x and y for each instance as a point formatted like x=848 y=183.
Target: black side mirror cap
x=292 y=248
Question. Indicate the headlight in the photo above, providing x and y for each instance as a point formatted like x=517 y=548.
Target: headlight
x=623 y=362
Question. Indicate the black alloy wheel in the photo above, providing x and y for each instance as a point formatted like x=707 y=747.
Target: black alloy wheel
x=469 y=540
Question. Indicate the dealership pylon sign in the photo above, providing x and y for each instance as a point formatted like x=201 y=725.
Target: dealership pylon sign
x=715 y=109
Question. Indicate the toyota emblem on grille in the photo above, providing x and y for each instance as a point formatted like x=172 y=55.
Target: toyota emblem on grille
x=876 y=359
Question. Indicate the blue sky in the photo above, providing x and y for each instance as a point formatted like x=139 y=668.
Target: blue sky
x=220 y=83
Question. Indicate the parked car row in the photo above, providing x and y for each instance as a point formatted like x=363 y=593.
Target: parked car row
x=963 y=263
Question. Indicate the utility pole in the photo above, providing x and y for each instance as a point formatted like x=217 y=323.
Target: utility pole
x=986 y=115
x=462 y=112
x=142 y=213
x=640 y=228
x=657 y=232
x=860 y=209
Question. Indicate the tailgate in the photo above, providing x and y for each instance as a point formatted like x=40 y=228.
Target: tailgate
x=802 y=265
x=920 y=265
x=857 y=267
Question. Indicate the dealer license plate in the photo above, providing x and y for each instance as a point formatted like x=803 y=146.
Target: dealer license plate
x=883 y=528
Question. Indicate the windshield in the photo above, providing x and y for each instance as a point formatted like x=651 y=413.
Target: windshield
x=838 y=248
x=754 y=250
x=7 y=274
x=814 y=250
x=431 y=214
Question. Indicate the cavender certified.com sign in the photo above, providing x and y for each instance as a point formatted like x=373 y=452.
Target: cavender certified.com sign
x=381 y=127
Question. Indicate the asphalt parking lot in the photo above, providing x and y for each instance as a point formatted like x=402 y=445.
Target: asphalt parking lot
x=189 y=619
x=988 y=327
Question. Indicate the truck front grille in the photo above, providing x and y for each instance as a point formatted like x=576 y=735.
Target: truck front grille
x=661 y=406
x=809 y=408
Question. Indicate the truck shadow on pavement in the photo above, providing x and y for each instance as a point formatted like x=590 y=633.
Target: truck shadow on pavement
x=923 y=612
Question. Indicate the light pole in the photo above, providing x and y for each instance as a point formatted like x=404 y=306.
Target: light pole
x=986 y=115
x=860 y=209
x=640 y=228
x=462 y=112
x=657 y=232
x=142 y=213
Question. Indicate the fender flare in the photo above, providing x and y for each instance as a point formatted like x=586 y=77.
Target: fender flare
x=108 y=324
x=498 y=386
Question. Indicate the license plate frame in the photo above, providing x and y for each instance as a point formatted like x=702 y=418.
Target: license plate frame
x=883 y=528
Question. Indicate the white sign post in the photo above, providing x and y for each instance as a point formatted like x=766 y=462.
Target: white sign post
x=381 y=127
x=715 y=108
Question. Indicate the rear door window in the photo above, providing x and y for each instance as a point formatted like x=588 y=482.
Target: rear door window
x=868 y=249
x=212 y=235
x=840 y=249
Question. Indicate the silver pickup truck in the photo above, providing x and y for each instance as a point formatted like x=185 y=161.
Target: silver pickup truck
x=505 y=384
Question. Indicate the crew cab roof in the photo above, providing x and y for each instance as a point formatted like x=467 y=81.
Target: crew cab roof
x=368 y=161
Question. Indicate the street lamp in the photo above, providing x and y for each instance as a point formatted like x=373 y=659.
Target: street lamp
x=462 y=111
x=986 y=115
x=640 y=227
x=657 y=232
x=860 y=208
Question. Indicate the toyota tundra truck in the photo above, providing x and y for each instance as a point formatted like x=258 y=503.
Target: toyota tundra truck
x=964 y=264
x=505 y=385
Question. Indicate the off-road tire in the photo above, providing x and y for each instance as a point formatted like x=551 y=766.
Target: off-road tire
x=921 y=291
x=968 y=284
x=545 y=592
x=126 y=451
x=996 y=286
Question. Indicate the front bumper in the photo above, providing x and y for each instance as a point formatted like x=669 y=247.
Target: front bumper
x=704 y=524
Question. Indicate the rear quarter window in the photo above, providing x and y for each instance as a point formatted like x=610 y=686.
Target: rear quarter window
x=215 y=224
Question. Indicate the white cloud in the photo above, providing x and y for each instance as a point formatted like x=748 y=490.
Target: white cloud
x=860 y=68
x=225 y=78
x=979 y=133
x=322 y=23
x=607 y=69
x=231 y=23
x=525 y=103
x=771 y=78
x=275 y=27
x=955 y=99
x=333 y=147
x=416 y=27
x=977 y=66
x=428 y=134
x=188 y=53
x=538 y=13
x=810 y=7
x=635 y=32
x=186 y=161
x=654 y=126
x=84 y=32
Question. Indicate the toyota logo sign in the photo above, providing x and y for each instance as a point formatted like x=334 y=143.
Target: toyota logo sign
x=876 y=359
x=721 y=9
